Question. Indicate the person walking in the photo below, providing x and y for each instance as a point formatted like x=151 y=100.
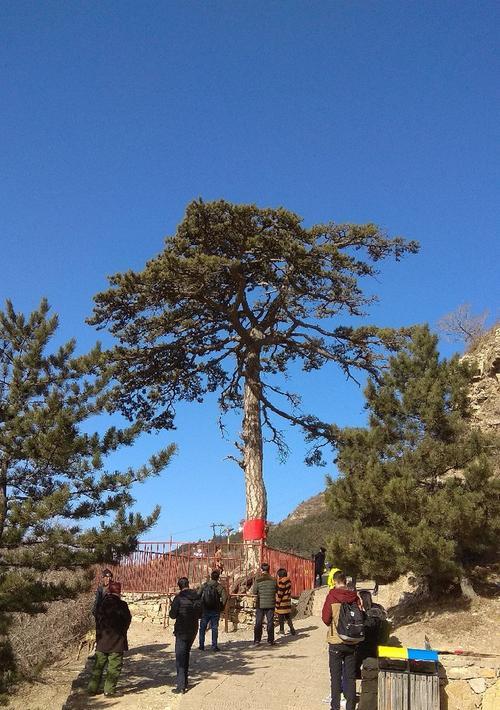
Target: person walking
x=331 y=574
x=264 y=587
x=217 y=564
x=319 y=566
x=102 y=589
x=186 y=610
x=284 y=601
x=342 y=654
x=113 y=620
x=213 y=600
x=377 y=630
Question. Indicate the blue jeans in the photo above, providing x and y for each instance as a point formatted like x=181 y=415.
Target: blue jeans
x=259 y=620
x=211 y=617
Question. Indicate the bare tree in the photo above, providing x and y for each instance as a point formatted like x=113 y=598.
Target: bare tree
x=461 y=325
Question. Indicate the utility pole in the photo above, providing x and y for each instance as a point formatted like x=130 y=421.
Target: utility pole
x=221 y=527
x=224 y=529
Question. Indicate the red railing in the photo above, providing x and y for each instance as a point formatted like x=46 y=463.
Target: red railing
x=300 y=569
x=156 y=566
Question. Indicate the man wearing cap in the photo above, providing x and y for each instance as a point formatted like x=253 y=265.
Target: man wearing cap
x=102 y=589
x=112 y=621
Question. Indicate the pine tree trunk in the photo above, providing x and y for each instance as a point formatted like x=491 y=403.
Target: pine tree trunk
x=467 y=588
x=255 y=491
x=256 y=499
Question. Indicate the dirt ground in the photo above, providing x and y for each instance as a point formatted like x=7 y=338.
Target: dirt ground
x=292 y=675
x=287 y=675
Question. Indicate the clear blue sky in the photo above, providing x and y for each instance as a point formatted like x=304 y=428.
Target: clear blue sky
x=116 y=114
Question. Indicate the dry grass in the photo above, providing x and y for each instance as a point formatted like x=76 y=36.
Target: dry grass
x=38 y=640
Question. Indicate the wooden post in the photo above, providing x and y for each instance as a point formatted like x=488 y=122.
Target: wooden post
x=226 y=608
x=169 y=564
x=165 y=613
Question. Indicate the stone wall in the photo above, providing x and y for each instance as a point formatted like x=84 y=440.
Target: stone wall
x=466 y=683
x=148 y=608
x=154 y=608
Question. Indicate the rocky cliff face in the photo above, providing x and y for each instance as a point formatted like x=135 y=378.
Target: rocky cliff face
x=311 y=506
x=485 y=389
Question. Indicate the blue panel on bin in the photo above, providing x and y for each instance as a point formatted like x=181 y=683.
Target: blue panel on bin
x=420 y=654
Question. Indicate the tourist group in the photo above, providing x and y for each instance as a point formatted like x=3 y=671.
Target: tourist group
x=352 y=619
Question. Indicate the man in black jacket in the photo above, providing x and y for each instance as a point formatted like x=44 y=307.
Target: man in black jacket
x=319 y=566
x=186 y=610
x=112 y=621
x=102 y=589
x=213 y=600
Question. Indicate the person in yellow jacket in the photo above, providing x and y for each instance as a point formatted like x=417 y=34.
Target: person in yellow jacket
x=330 y=581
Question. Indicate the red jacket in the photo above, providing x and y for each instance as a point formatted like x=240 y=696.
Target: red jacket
x=336 y=596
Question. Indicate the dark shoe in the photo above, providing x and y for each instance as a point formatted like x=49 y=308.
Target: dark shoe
x=293 y=632
x=116 y=694
x=216 y=649
x=179 y=691
x=256 y=643
x=201 y=648
x=272 y=643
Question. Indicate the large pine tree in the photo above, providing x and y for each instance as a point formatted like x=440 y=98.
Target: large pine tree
x=237 y=295
x=52 y=475
x=417 y=485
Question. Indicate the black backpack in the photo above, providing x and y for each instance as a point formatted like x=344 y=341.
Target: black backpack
x=210 y=598
x=351 y=623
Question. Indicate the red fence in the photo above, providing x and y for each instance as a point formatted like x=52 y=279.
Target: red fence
x=156 y=566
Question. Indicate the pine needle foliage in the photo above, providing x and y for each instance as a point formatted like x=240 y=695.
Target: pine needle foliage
x=417 y=486
x=238 y=294
x=52 y=474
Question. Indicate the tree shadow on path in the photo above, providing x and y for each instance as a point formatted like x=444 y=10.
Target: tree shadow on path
x=152 y=666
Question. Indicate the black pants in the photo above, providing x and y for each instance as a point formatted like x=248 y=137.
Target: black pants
x=259 y=618
x=182 y=650
x=281 y=619
x=342 y=672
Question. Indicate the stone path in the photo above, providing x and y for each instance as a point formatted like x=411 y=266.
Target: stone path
x=292 y=675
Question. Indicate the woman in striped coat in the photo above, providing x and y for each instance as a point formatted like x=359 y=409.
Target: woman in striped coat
x=284 y=601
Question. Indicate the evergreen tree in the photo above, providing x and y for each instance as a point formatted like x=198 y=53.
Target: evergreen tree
x=51 y=469
x=237 y=294
x=417 y=485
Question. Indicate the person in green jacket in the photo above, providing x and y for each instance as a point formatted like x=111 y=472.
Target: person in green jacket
x=264 y=587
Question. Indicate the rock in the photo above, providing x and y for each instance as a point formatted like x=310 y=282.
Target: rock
x=369 y=686
x=368 y=701
x=484 y=398
x=455 y=661
x=458 y=695
x=478 y=685
x=491 y=698
x=370 y=664
x=487 y=673
x=464 y=673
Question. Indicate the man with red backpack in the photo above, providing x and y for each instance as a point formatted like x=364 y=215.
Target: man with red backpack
x=343 y=614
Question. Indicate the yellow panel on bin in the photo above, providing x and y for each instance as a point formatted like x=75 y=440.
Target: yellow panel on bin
x=392 y=652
